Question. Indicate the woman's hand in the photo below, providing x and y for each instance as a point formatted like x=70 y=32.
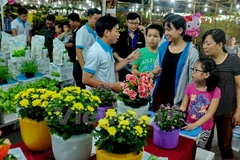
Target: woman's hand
x=190 y=126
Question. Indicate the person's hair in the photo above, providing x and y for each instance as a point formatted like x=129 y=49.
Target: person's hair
x=66 y=23
x=51 y=17
x=93 y=11
x=208 y=65
x=218 y=36
x=178 y=22
x=74 y=17
x=133 y=16
x=13 y=16
x=168 y=15
x=22 y=10
x=232 y=37
x=60 y=25
x=105 y=22
x=157 y=27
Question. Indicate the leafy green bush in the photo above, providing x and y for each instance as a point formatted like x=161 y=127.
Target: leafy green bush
x=29 y=66
x=5 y=75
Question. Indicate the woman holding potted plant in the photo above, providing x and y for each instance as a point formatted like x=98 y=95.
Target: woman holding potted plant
x=107 y=98
x=121 y=136
x=71 y=118
x=31 y=104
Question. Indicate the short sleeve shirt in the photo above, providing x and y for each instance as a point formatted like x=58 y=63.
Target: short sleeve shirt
x=85 y=38
x=100 y=62
x=146 y=62
x=199 y=102
x=235 y=50
x=21 y=27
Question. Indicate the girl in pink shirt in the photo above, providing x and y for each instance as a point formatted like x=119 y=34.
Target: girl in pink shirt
x=201 y=99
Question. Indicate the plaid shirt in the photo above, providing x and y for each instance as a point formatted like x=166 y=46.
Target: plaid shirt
x=8 y=24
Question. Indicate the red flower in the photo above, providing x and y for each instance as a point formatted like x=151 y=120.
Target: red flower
x=131 y=77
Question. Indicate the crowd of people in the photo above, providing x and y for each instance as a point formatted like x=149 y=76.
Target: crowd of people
x=205 y=85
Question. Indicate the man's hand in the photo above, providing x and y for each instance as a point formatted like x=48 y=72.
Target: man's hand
x=116 y=87
x=157 y=70
x=133 y=56
x=142 y=29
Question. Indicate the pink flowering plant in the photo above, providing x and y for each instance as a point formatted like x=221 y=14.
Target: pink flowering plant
x=169 y=118
x=135 y=91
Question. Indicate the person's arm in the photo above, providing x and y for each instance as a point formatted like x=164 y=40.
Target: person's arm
x=238 y=54
x=69 y=45
x=184 y=104
x=209 y=114
x=89 y=80
x=133 y=56
x=117 y=57
x=80 y=57
x=14 y=32
x=135 y=70
x=30 y=37
x=236 y=116
x=14 y=28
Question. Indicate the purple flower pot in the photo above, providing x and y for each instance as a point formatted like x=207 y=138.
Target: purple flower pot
x=102 y=112
x=166 y=140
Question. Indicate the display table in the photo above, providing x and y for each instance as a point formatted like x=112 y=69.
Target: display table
x=185 y=150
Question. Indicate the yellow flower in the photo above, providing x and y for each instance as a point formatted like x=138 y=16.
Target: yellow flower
x=124 y=123
x=78 y=106
x=24 y=103
x=144 y=119
x=121 y=118
x=56 y=96
x=41 y=90
x=17 y=96
x=111 y=113
x=44 y=96
x=132 y=113
x=44 y=104
x=49 y=113
x=24 y=94
x=57 y=113
x=96 y=98
x=112 y=131
x=69 y=98
x=35 y=96
x=91 y=109
x=36 y=102
x=103 y=123
x=138 y=130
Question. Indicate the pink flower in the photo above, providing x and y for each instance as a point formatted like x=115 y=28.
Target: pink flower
x=125 y=85
x=143 y=95
x=132 y=94
x=141 y=89
x=126 y=91
x=173 y=127
x=131 y=77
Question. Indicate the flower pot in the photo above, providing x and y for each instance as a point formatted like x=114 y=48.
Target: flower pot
x=75 y=148
x=122 y=108
x=35 y=135
x=163 y=139
x=102 y=112
x=104 y=155
x=29 y=75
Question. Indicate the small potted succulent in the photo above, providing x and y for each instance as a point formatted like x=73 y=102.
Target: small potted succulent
x=29 y=68
x=107 y=98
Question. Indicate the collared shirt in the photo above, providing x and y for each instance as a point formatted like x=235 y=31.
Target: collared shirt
x=100 y=62
x=21 y=27
x=8 y=24
x=48 y=34
x=85 y=38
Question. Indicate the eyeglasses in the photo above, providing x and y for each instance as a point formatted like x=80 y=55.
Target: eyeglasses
x=194 y=70
x=133 y=23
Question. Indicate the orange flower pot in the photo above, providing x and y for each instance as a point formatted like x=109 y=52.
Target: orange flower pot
x=35 y=135
x=104 y=155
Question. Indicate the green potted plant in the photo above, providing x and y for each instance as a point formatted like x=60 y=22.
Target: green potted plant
x=5 y=75
x=167 y=124
x=45 y=83
x=71 y=119
x=121 y=135
x=107 y=98
x=29 y=68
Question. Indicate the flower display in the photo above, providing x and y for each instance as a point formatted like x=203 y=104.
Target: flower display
x=105 y=94
x=72 y=111
x=122 y=133
x=4 y=147
x=169 y=118
x=136 y=91
x=32 y=103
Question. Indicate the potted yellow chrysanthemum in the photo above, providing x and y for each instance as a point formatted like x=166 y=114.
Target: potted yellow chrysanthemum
x=121 y=136
x=71 y=116
x=31 y=109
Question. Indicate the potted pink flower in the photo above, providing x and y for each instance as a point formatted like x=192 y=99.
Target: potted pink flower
x=135 y=94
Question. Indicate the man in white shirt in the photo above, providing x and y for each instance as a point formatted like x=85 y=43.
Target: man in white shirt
x=21 y=25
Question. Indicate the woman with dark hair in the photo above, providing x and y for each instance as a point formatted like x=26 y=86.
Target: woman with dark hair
x=175 y=59
x=228 y=80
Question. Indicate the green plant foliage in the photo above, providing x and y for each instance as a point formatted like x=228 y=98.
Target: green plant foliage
x=5 y=74
x=29 y=66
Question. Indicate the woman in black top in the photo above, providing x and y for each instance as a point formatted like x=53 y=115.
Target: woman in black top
x=228 y=73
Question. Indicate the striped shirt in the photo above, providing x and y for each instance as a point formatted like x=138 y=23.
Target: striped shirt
x=226 y=82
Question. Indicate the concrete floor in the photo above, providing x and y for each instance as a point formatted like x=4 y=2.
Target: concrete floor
x=15 y=137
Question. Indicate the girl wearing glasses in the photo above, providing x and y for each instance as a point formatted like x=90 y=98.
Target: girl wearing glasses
x=201 y=99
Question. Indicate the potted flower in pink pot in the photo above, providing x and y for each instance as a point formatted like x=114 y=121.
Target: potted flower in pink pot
x=167 y=124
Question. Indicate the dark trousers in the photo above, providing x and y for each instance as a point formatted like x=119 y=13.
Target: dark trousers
x=77 y=74
x=162 y=97
x=224 y=128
